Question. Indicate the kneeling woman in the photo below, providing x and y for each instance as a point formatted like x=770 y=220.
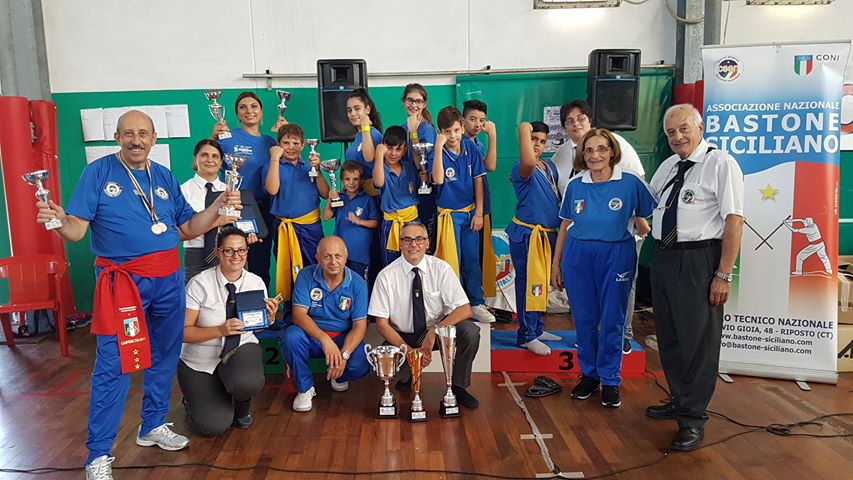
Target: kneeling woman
x=595 y=258
x=221 y=368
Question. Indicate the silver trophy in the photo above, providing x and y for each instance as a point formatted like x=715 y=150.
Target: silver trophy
x=421 y=149
x=447 y=346
x=331 y=166
x=37 y=180
x=233 y=180
x=386 y=361
x=312 y=142
x=284 y=96
x=414 y=356
x=217 y=111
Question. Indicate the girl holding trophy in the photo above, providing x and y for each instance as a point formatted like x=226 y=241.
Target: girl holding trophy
x=419 y=128
x=362 y=113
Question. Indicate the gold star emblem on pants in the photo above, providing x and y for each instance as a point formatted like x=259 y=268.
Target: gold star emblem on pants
x=768 y=192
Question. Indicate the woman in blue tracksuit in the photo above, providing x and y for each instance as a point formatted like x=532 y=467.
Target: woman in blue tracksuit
x=595 y=258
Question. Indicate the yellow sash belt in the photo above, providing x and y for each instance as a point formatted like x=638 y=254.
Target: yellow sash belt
x=446 y=248
x=538 y=266
x=289 y=255
x=489 y=267
x=399 y=217
x=368 y=187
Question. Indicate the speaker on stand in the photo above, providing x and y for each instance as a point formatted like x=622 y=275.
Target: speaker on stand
x=336 y=80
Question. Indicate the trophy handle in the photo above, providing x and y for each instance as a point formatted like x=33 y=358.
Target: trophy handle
x=402 y=360
x=367 y=349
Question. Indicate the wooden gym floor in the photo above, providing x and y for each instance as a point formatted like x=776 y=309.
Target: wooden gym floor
x=44 y=404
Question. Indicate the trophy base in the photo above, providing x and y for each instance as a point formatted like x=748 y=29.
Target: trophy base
x=385 y=411
x=416 y=417
x=336 y=203
x=53 y=224
x=447 y=411
x=424 y=190
x=224 y=135
x=230 y=212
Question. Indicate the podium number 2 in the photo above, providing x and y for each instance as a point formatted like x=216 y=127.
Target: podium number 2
x=273 y=358
x=567 y=358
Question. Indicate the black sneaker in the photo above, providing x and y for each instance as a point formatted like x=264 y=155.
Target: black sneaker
x=243 y=422
x=586 y=386
x=464 y=398
x=626 y=346
x=610 y=396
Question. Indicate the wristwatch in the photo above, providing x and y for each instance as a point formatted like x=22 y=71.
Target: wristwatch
x=345 y=354
x=724 y=276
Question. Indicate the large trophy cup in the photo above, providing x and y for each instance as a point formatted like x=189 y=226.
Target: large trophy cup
x=312 y=142
x=37 y=180
x=421 y=149
x=331 y=166
x=232 y=181
x=284 y=96
x=217 y=111
x=413 y=356
x=447 y=346
x=386 y=361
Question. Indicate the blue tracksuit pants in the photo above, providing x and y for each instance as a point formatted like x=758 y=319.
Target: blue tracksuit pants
x=297 y=348
x=530 y=324
x=468 y=248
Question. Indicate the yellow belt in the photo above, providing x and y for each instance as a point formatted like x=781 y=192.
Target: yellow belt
x=369 y=188
x=490 y=262
x=538 y=266
x=289 y=255
x=399 y=217
x=446 y=248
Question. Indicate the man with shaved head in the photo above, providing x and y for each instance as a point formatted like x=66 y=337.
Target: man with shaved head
x=137 y=215
x=329 y=320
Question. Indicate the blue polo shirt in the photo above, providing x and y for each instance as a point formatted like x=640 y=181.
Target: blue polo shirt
x=354 y=152
x=257 y=151
x=297 y=194
x=119 y=221
x=332 y=311
x=459 y=174
x=537 y=200
x=426 y=133
x=399 y=191
x=487 y=198
x=356 y=237
x=602 y=210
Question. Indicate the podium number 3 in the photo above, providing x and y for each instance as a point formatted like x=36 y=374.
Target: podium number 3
x=567 y=358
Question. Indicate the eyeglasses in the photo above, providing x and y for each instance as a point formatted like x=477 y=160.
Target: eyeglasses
x=418 y=240
x=588 y=152
x=413 y=101
x=570 y=121
x=229 y=252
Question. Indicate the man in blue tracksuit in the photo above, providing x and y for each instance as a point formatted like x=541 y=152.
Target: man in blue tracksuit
x=329 y=320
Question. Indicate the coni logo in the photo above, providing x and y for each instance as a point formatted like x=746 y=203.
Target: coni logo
x=728 y=69
x=803 y=64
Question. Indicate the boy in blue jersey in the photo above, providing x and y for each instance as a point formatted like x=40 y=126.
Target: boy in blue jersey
x=396 y=178
x=295 y=204
x=473 y=122
x=457 y=169
x=356 y=220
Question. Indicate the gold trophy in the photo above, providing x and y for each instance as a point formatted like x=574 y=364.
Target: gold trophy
x=413 y=356
x=446 y=337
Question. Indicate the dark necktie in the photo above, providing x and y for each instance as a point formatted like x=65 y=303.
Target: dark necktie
x=210 y=235
x=231 y=341
x=418 y=309
x=669 y=226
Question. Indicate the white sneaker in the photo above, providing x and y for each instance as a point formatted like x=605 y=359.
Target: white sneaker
x=340 y=386
x=304 y=401
x=100 y=469
x=482 y=314
x=163 y=437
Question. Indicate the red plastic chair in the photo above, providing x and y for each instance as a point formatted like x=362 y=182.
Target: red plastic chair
x=34 y=284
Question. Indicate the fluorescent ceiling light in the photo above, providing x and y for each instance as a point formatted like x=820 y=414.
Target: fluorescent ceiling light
x=788 y=2
x=543 y=4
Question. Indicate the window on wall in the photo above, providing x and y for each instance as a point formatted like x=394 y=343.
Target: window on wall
x=543 y=4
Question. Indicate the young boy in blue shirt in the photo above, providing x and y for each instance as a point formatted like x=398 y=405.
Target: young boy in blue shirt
x=356 y=220
x=396 y=179
x=457 y=169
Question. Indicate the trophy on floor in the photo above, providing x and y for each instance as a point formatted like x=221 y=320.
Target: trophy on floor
x=386 y=361
x=37 y=180
x=446 y=337
x=312 y=142
x=284 y=96
x=331 y=166
x=217 y=111
x=233 y=180
x=421 y=149
x=413 y=356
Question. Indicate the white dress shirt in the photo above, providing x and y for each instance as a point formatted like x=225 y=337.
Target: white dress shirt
x=392 y=292
x=713 y=189
x=206 y=293
x=563 y=159
x=194 y=191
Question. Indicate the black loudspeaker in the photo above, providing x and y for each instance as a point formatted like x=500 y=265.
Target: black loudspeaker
x=613 y=88
x=336 y=80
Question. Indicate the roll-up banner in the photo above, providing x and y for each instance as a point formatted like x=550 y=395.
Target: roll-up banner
x=777 y=110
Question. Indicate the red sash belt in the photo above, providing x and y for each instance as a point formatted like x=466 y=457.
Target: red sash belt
x=118 y=307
